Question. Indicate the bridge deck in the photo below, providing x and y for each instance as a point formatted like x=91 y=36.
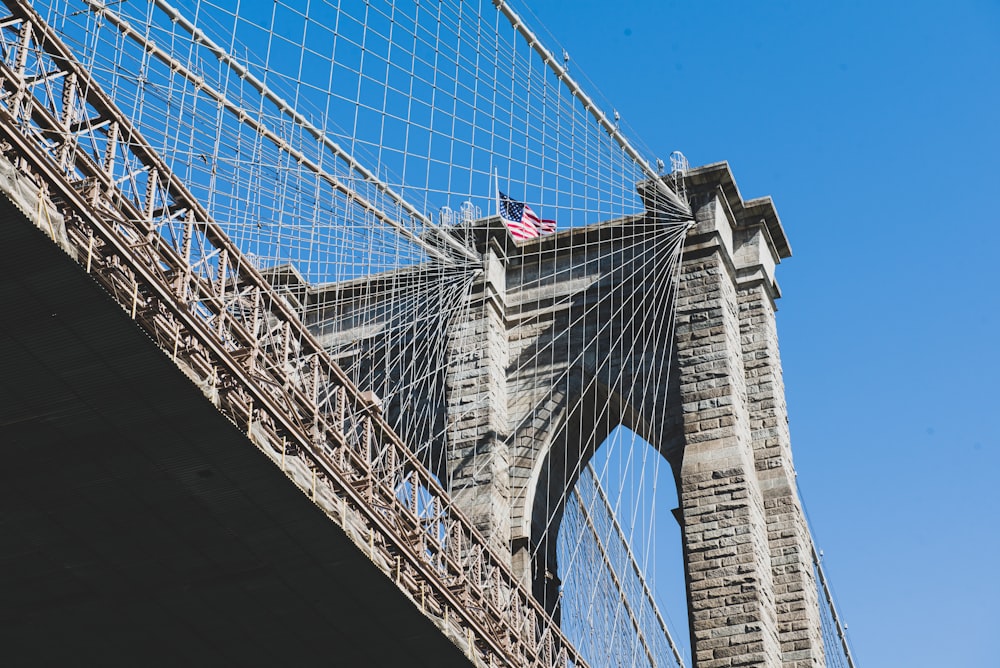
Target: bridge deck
x=138 y=525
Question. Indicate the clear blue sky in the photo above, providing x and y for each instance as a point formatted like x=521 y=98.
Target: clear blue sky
x=874 y=126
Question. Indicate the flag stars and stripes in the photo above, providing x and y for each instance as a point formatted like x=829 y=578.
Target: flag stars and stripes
x=521 y=221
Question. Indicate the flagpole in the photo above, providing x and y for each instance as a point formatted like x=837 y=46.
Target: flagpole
x=496 y=191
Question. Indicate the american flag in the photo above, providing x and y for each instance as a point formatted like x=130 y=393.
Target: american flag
x=522 y=222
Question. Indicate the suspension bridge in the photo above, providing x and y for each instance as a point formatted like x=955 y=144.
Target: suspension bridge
x=360 y=332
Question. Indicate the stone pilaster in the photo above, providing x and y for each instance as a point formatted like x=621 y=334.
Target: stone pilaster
x=797 y=605
x=727 y=555
x=478 y=458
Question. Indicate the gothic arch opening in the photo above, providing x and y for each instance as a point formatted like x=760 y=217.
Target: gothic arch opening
x=605 y=548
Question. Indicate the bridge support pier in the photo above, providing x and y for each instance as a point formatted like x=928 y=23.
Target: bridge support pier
x=751 y=593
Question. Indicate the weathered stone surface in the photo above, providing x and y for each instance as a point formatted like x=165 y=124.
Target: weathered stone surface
x=477 y=431
x=735 y=425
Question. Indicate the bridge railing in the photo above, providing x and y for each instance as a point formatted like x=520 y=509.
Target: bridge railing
x=135 y=228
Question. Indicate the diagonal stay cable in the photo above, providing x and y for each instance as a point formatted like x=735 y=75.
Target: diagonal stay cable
x=602 y=495
x=673 y=202
x=633 y=619
x=246 y=117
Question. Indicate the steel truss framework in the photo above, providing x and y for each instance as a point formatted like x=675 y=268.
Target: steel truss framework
x=136 y=229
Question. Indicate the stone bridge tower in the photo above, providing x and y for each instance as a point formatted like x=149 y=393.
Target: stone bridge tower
x=564 y=338
x=751 y=592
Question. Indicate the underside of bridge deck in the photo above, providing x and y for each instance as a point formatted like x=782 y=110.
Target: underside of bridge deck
x=138 y=526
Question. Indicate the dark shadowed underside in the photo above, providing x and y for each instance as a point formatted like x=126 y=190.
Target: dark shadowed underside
x=138 y=526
